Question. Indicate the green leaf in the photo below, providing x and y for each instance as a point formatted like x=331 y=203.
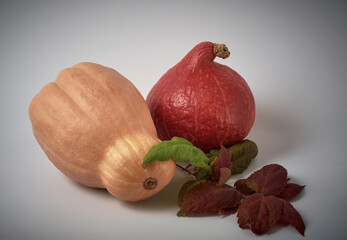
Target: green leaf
x=180 y=149
x=241 y=153
x=213 y=154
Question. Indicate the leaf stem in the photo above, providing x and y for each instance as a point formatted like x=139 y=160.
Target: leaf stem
x=184 y=169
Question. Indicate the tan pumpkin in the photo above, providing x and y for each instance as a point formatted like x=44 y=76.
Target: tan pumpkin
x=95 y=127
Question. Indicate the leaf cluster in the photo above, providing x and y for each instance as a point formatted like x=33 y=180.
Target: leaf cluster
x=261 y=200
x=268 y=201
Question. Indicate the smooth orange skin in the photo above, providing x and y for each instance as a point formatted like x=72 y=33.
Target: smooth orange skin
x=95 y=127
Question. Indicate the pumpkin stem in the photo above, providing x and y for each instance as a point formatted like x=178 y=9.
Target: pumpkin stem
x=220 y=50
x=150 y=183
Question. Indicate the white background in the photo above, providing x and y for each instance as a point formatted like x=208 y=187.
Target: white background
x=291 y=53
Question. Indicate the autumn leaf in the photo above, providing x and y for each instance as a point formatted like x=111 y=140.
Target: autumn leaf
x=261 y=213
x=186 y=187
x=290 y=191
x=241 y=186
x=241 y=155
x=269 y=180
x=205 y=198
x=292 y=217
x=222 y=167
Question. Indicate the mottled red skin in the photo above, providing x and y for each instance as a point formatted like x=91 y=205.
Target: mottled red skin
x=202 y=101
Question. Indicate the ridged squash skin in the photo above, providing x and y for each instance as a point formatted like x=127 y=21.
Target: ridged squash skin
x=203 y=101
x=95 y=127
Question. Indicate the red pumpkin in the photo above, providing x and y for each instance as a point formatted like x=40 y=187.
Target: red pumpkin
x=203 y=101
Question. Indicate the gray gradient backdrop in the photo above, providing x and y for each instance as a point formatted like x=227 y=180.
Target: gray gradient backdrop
x=292 y=54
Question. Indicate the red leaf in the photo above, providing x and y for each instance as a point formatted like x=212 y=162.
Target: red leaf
x=292 y=217
x=269 y=180
x=222 y=167
x=290 y=191
x=186 y=188
x=241 y=186
x=227 y=211
x=259 y=213
x=208 y=199
x=225 y=174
